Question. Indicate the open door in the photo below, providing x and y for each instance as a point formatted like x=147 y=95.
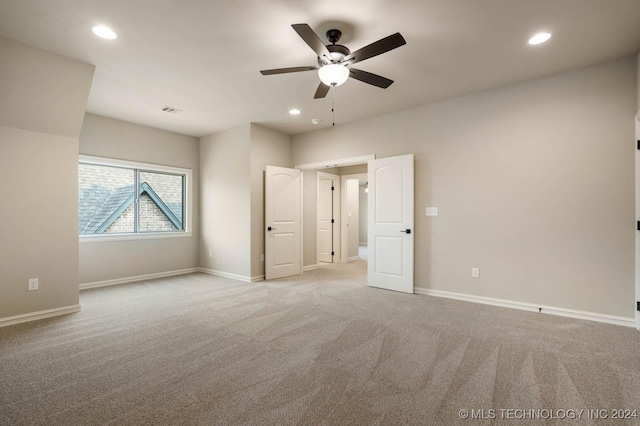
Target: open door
x=283 y=205
x=391 y=223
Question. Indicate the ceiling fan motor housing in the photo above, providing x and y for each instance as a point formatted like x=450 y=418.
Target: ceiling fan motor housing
x=338 y=53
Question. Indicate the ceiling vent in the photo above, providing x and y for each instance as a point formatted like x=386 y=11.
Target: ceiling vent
x=170 y=110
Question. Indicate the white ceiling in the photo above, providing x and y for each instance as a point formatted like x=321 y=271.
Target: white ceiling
x=204 y=57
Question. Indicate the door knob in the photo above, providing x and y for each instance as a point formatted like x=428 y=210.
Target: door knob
x=270 y=229
x=408 y=231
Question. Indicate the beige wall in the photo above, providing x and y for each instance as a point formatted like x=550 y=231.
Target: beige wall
x=225 y=200
x=39 y=221
x=41 y=91
x=310 y=217
x=108 y=260
x=268 y=147
x=107 y=137
x=353 y=170
x=42 y=102
x=352 y=198
x=363 y=234
x=232 y=197
x=534 y=184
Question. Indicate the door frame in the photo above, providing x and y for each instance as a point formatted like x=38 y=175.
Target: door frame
x=318 y=166
x=637 y=233
x=337 y=202
x=344 y=241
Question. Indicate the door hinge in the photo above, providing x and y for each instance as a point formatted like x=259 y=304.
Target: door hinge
x=638 y=225
x=333 y=254
x=332 y=188
x=638 y=144
x=333 y=221
x=638 y=306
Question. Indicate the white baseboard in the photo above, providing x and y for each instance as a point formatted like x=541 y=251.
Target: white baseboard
x=571 y=313
x=137 y=278
x=362 y=244
x=230 y=275
x=38 y=315
x=353 y=258
x=309 y=267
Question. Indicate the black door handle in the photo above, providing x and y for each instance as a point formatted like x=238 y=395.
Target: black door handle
x=408 y=231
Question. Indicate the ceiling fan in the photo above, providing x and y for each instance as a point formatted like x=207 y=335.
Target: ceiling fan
x=335 y=60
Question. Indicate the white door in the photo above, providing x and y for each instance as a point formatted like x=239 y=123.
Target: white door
x=391 y=223
x=325 y=216
x=282 y=203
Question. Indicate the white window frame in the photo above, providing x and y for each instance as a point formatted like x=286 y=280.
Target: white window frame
x=147 y=167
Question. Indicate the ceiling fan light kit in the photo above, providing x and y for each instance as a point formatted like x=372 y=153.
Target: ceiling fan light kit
x=333 y=74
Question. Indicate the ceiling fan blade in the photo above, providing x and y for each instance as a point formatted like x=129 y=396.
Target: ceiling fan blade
x=376 y=48
x=367 y=77
x=322 y=91
x=287 y=70
x=311 y=38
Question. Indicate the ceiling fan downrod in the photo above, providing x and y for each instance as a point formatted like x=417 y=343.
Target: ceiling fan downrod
x=333 y=35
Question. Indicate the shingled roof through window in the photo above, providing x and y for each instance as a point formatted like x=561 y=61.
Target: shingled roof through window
x=95 y=218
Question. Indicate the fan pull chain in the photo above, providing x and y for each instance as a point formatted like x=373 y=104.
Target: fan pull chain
x=333 y=104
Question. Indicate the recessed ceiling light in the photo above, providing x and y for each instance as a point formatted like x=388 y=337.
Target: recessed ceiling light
x=294 y=111
x=315 y=120
x=104 y=32
x=539 y=38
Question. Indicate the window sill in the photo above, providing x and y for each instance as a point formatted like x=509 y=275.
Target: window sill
x=131 y=237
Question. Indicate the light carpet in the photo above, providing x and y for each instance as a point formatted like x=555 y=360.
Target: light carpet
x=321 y=348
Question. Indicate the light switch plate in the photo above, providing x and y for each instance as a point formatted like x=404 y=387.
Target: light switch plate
x=431 y=211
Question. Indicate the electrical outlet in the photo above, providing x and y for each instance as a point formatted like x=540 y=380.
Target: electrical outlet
x=262 y=258
x=33 y=284
x=475 y=272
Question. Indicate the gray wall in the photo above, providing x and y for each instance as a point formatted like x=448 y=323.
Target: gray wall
x=42 y=103
x=111 y=138
x=268 y=147
x=534 y=184
x=225 y=200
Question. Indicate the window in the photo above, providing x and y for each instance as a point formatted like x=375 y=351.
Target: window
x=122 y=198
